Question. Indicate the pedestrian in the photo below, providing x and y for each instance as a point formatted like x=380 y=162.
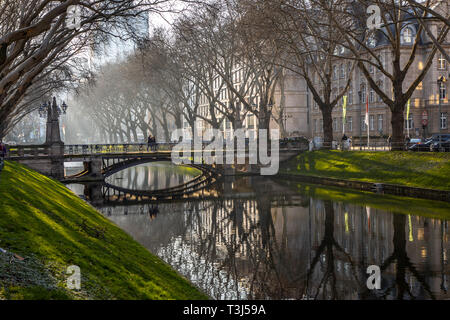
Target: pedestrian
x=311 y=145
x=149 y=142
x=153 y=144
x=344 y=145
x=2 y=154
x=389 y=140
x=2 y=149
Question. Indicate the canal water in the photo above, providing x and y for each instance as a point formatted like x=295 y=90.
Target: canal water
x=263 y=238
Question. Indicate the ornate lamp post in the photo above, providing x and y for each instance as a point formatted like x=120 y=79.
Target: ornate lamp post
x=52 y=111
x=441 y=81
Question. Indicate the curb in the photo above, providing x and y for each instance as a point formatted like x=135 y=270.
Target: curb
x=380 y=188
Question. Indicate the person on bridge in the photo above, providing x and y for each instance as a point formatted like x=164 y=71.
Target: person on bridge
x=2 y=154
x=149 y=142
x=154 y=145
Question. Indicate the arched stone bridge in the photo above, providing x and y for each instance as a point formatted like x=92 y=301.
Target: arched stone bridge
x=101 y=161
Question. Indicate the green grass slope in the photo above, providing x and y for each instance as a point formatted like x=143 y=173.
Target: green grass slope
x=423 y=170
x=45 y=228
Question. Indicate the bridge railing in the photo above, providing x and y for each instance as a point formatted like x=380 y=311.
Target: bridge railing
x=31 y=151
x=84 y=149
x=28 y=151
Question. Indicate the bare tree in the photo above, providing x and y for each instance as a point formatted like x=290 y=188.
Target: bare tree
x=34 y=39
x=367 y=47
x=440 y=12
x=311 y=49
x=238 y=77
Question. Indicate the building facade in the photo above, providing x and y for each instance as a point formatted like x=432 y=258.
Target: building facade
x=429 y=104
x=296 y=113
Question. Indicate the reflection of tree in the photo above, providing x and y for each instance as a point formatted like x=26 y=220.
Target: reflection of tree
x=237 y=247
x=403 y=263
x=326 y=247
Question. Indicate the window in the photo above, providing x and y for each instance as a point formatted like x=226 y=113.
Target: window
x=321 y=125
x=372 y=122
x=443 y=121
x=407 y=35
x=350 y=124
x=380 y=85
x=315 y=125
x=335 y=73
x=371 y=96
x=363 y=123
x=443 y=90
x=380 y=123
x=251 y=122
x=342 y=71
x=350 y=95
x=442 y=63
x=335 y=124
x=362 y=94
x=381 y=58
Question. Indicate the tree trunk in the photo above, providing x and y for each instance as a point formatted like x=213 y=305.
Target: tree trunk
x=397 y=138
x=327 y=127
x=134 y=134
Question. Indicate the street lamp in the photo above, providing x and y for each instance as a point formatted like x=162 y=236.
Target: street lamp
x=359 y=120
x=441 y=81
x=45 y=110
x=64 y=107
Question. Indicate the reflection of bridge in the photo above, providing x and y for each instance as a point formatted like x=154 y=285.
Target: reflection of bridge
x=101 y=161
x=192 y=188
x=206 y=187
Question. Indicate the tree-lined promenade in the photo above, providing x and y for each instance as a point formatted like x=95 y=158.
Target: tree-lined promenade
x=221 y=62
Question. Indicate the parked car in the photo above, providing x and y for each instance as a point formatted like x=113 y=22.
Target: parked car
x=413 y=142
x=444 y=137
x=444 y=146
x=421 y=146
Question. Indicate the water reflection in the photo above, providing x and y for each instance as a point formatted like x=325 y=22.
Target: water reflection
x=152 y=176
x=262 y=239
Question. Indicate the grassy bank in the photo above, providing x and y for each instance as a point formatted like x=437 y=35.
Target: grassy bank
x=44 y=228
x=423 y=170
